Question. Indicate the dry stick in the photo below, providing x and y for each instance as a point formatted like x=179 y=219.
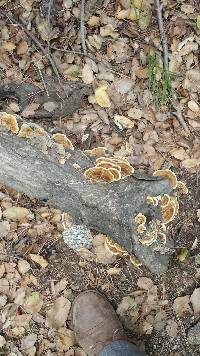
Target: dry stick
x=23 y=24
x=82 y=27
x=48 y=21
x=163 y=36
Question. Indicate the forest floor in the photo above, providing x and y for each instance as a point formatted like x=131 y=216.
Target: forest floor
x=39 y=274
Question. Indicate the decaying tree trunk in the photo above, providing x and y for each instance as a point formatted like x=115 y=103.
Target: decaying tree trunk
x=107 y=208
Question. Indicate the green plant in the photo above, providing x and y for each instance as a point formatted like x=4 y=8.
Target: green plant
x=161 y=90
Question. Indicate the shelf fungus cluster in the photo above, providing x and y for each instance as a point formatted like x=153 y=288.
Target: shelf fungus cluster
x=54 y=145
x=152 y=230
x=115 y=249
x=109 y=169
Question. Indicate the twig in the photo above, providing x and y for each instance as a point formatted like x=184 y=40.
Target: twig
x=82 y=27
x=163 y=36
x=48 y=21
x=22 y=23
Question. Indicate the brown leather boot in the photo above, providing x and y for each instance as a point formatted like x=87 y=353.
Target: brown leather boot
x=95 y=322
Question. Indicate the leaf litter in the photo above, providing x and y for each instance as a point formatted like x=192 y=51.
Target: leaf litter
x=120 y=41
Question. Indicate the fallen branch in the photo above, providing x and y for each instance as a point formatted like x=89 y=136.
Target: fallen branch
x=107 y=208
x=163 y=36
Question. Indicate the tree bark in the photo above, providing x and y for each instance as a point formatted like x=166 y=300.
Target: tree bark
x=107 y=208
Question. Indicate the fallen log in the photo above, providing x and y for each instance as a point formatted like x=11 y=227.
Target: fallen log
x=107 y=208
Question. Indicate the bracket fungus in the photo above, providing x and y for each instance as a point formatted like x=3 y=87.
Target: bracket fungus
x=99 y=174
x=167 y=174
x=126 y=168
x=63 y=140
x=97 y=151
x=140 y=219
x=135 y=262
x=9 y=122
x=115 y=248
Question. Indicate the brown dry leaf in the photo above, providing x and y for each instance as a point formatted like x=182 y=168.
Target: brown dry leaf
x=198 y=215
x=22 y=48
x=30 y=110
x=192 y=105
x=4 y=286
x=191 y=163
x=87 y=74
x=102 y=97
x=135 y=113
x=57 y=315
x=23 y=266
x=39 y=260
x=15 y=213
x=33 y=303
x=114 y=271
x=172 y=328
x=65 y=339
x=9 y=46
x=145 y=283
x=27 y=4
x=179 y=153
x=126 y=305
x=160 y=320
x=123 y=122
x=50 y=106
x=108 y=30
x=181 y=305
x=195 y=300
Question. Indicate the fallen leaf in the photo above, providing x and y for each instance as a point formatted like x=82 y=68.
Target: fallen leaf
x=33 y=303
x=190 y=163
x=30 y=109
x=135 y=113
x=65 y=339
x=198 y=22
x=145 y=283
x=9 y=46
x=114 y=271
x=102 y=97
x=28 y=342
x=50 y=106
x=123 y=122
x=179 y=153
x=183 y=254
x=39 y=260
x=181 y=305
x=172 y=328
x=16 y=213
x=126 y=305
x=195 y=300
x=192 y=105
x=22 y=48
x=197 y=259
x=108 y=30
x=23 y=266
x=87 y=74
x=57 y=315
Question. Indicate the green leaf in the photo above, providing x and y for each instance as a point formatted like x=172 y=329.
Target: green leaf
x=183 y=254
x=197 y=259
x=198 y=22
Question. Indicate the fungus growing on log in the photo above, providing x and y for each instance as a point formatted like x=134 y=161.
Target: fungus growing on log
x=97 y=151
x=116 y=173
x=31 y=130
x=107 y=208
x=140 y=219
x=166 y=173
x=169 y=212
x=126 y=168
x=9 y=122
x=162 y=237
x=135 y=262
x=141 y=228
x=63 y=140
x=99 y=174
x=114 y=248
x=165 y=200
